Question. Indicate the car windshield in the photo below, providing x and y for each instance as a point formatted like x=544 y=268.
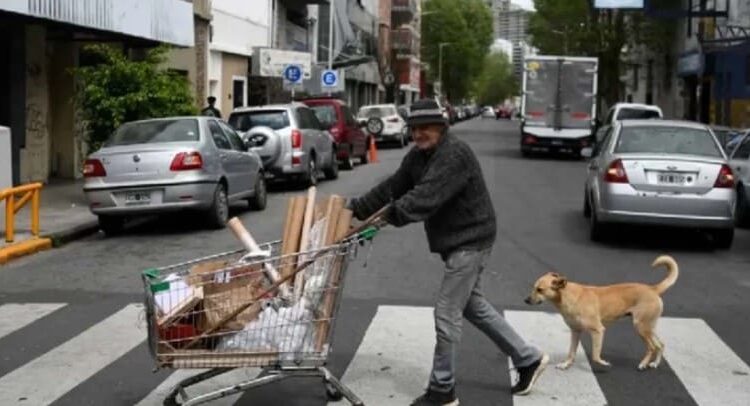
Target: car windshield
x=667 y=140
x=637 y=114
x=326 y=114
x=155 y=132
x=244 y=121
x=376 y=112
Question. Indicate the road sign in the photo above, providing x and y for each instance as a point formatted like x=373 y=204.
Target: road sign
x=293 y=74
x=329 y=78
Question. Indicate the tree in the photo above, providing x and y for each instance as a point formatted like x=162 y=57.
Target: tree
x=496 y=82
x=116 y=90
x=466 y=25
x=574 y=28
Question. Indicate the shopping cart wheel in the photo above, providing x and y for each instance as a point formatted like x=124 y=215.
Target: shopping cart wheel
x=333 y=393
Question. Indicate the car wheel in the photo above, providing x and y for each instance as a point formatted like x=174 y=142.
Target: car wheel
x=111 y=225
x=259 y=200
x=586 y=205
x=332 y=172
x=218 y=214
x=723 y=238
x=311 y=177
x=597 y=230
x=742 y=211
x=348 y=163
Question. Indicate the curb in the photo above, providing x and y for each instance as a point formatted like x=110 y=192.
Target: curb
x=63 y=237
x=24 y=248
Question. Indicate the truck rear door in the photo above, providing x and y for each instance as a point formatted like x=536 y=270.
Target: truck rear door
x=577 y=84
x=540 y=92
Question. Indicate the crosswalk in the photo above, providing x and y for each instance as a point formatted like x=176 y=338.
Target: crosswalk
x=389 y=366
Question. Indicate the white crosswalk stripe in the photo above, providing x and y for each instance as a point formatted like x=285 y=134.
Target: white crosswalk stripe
x=390 y=366
x=51 y=375
x=574 y=386
x=710 y=371
x=15 y=316
x=396 y=373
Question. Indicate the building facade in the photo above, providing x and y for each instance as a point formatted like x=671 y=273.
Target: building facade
x=511 y=23
x=42 y=41
x=406 y=45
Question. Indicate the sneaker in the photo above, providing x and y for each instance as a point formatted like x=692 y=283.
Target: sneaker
x=435 y=398
x=527 y=376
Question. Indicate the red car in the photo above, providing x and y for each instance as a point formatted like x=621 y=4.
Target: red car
x=337 y=117
x=503 y=112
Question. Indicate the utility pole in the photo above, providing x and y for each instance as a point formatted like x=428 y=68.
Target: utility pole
x=331 y=20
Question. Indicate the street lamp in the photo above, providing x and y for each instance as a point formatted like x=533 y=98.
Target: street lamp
x=440 y=64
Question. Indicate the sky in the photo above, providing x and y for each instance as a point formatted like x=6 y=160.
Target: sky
x=527 y=4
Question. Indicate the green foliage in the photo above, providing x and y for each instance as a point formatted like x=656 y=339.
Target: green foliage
x=496 y=83
x=467 y=26
x=117 y=90
x=573 y=28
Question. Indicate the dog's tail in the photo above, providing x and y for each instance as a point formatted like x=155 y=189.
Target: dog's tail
x=672 y=272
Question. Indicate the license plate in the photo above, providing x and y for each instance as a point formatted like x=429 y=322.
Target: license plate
x=557 y=142
x=138 y=197
x=671 y=178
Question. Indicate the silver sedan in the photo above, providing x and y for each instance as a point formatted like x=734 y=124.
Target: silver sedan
x=171 y=164
x=668 y=173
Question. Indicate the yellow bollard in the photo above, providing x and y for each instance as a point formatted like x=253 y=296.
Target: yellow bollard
x=35 y=212
x=9 y=213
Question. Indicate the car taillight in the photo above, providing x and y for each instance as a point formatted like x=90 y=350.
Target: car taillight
x=296 y=139
x=725 y=178
x=616 y=173
x=93 y=168
x=529 y=139
x=335 y=131
x=185 y=161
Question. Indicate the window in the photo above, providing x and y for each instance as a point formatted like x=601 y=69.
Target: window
x=602 y=133
x=743 y=152
x=308 y=120
x=234 y=139
x=667 y=140
x=637 y=114
x=220 y=139
x=326 y=114
x=348 y=116
x=605 y=134
x=244 y=121
x=155 y=132
x=610 y=116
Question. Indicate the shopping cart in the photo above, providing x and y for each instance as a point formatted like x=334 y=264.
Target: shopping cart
x=221 y=312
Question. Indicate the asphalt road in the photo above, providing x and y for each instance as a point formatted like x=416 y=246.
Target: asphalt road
x=389 y=290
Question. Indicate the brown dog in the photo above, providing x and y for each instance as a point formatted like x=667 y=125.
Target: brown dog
x=591 y=308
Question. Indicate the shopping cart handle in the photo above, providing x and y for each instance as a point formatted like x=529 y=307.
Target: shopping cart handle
x=369 y=233
x=256 y=255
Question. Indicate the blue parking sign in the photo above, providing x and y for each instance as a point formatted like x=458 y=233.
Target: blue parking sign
x=293 y=74
x=329 y=78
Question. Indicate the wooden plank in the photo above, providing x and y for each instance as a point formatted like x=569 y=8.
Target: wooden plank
x=299 y=279
x=333 y=219
x=321 y=334
x=292 y=238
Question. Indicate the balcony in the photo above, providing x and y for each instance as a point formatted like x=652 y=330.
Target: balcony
x=403 y=12
x=405 y=41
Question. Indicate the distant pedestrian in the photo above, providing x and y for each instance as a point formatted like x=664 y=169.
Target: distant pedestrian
x=211 y=111
x=441 y=183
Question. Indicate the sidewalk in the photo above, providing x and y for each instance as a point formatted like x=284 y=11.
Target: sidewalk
x=64 y=216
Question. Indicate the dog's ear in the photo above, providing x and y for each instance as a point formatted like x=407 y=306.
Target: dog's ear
x=559 y=282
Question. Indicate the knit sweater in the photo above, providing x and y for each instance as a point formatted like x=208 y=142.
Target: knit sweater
x=443 y=187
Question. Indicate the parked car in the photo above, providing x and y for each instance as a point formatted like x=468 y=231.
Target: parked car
x=384 y=123
x=488 y=112
x=171 y=164
x=290 y=140
x=403 y=111
x=504 y=112
x=740 y=163
x=670 y=173
x=337 y=117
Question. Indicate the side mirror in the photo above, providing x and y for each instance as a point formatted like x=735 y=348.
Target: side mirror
x=587 y=152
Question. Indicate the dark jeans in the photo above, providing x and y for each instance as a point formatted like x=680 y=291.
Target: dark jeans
x=461 y=297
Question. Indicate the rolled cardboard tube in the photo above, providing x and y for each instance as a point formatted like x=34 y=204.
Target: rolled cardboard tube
x=251 y=246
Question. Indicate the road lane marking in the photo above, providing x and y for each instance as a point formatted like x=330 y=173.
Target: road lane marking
x=233 y=377
x=54 y=373
x=710 y=371
x=392 y=364
x=575 y=386
x=15 y=316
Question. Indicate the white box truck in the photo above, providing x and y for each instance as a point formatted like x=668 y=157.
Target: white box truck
x=558 y=104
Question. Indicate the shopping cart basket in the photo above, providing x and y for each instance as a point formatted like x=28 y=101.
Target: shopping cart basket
x=221 y=312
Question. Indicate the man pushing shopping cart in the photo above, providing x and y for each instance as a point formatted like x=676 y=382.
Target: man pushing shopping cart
x=441 y=184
